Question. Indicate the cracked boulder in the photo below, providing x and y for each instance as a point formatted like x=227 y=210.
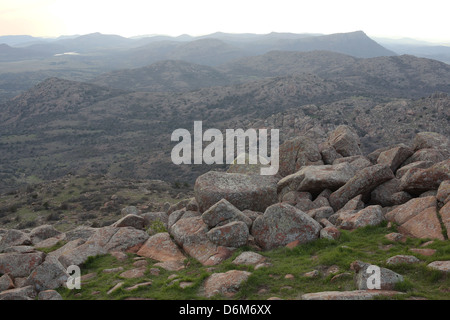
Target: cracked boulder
x=363 y=182
x=281 y=224
x=191 y=235
x=315 y=179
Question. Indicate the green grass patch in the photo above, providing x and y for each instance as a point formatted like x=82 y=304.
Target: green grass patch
x=366 y=244
x=53 y=248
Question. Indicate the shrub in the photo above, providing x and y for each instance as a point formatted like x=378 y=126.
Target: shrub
x=177 y=185
x=155 y=227
x=87 y=216
x=54 y=216
x=26 y=224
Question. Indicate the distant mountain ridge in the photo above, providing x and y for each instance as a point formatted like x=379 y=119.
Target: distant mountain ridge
x=357 y=44
x=394 y=76
x=99 y=53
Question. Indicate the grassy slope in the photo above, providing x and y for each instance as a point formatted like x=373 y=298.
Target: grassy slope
x=366 y=244
x=76 y=200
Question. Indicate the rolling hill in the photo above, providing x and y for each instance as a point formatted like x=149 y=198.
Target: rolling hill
x=168 y=75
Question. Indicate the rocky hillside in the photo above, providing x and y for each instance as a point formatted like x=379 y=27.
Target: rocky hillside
x=376 y=123
x=91 y=200
x=168 y=75
x=62 y=126
x=241 y=232
x=400 y=76
x=393 y=76
x=54 y=97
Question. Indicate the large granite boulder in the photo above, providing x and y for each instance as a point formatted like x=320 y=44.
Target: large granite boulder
x=281 y=224
x=252 y=192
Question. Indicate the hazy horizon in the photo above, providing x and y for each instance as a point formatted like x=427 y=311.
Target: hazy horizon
x=385 y=39
x=383 y=19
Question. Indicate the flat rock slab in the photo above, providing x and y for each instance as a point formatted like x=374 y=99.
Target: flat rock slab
x=134 y=273
x=115 y=288
x=400 y=259
x=410 y=209
x=424 y=225
x=139 y=285
x=318 y=178
x=104 y=240
x=396 y=237
x=227 y=283
x=249 y=258
x=443 y=266
x=186 y=284
x=171 y=265
x=161 y=247
x=349 y=295
x=113 y=270
x=423 y=252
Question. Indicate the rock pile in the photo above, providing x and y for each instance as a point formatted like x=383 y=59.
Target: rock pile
x=320 y=189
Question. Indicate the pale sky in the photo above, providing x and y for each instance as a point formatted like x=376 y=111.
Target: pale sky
x=423 y=20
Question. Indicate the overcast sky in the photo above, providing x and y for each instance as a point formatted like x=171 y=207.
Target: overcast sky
x=425 y=20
